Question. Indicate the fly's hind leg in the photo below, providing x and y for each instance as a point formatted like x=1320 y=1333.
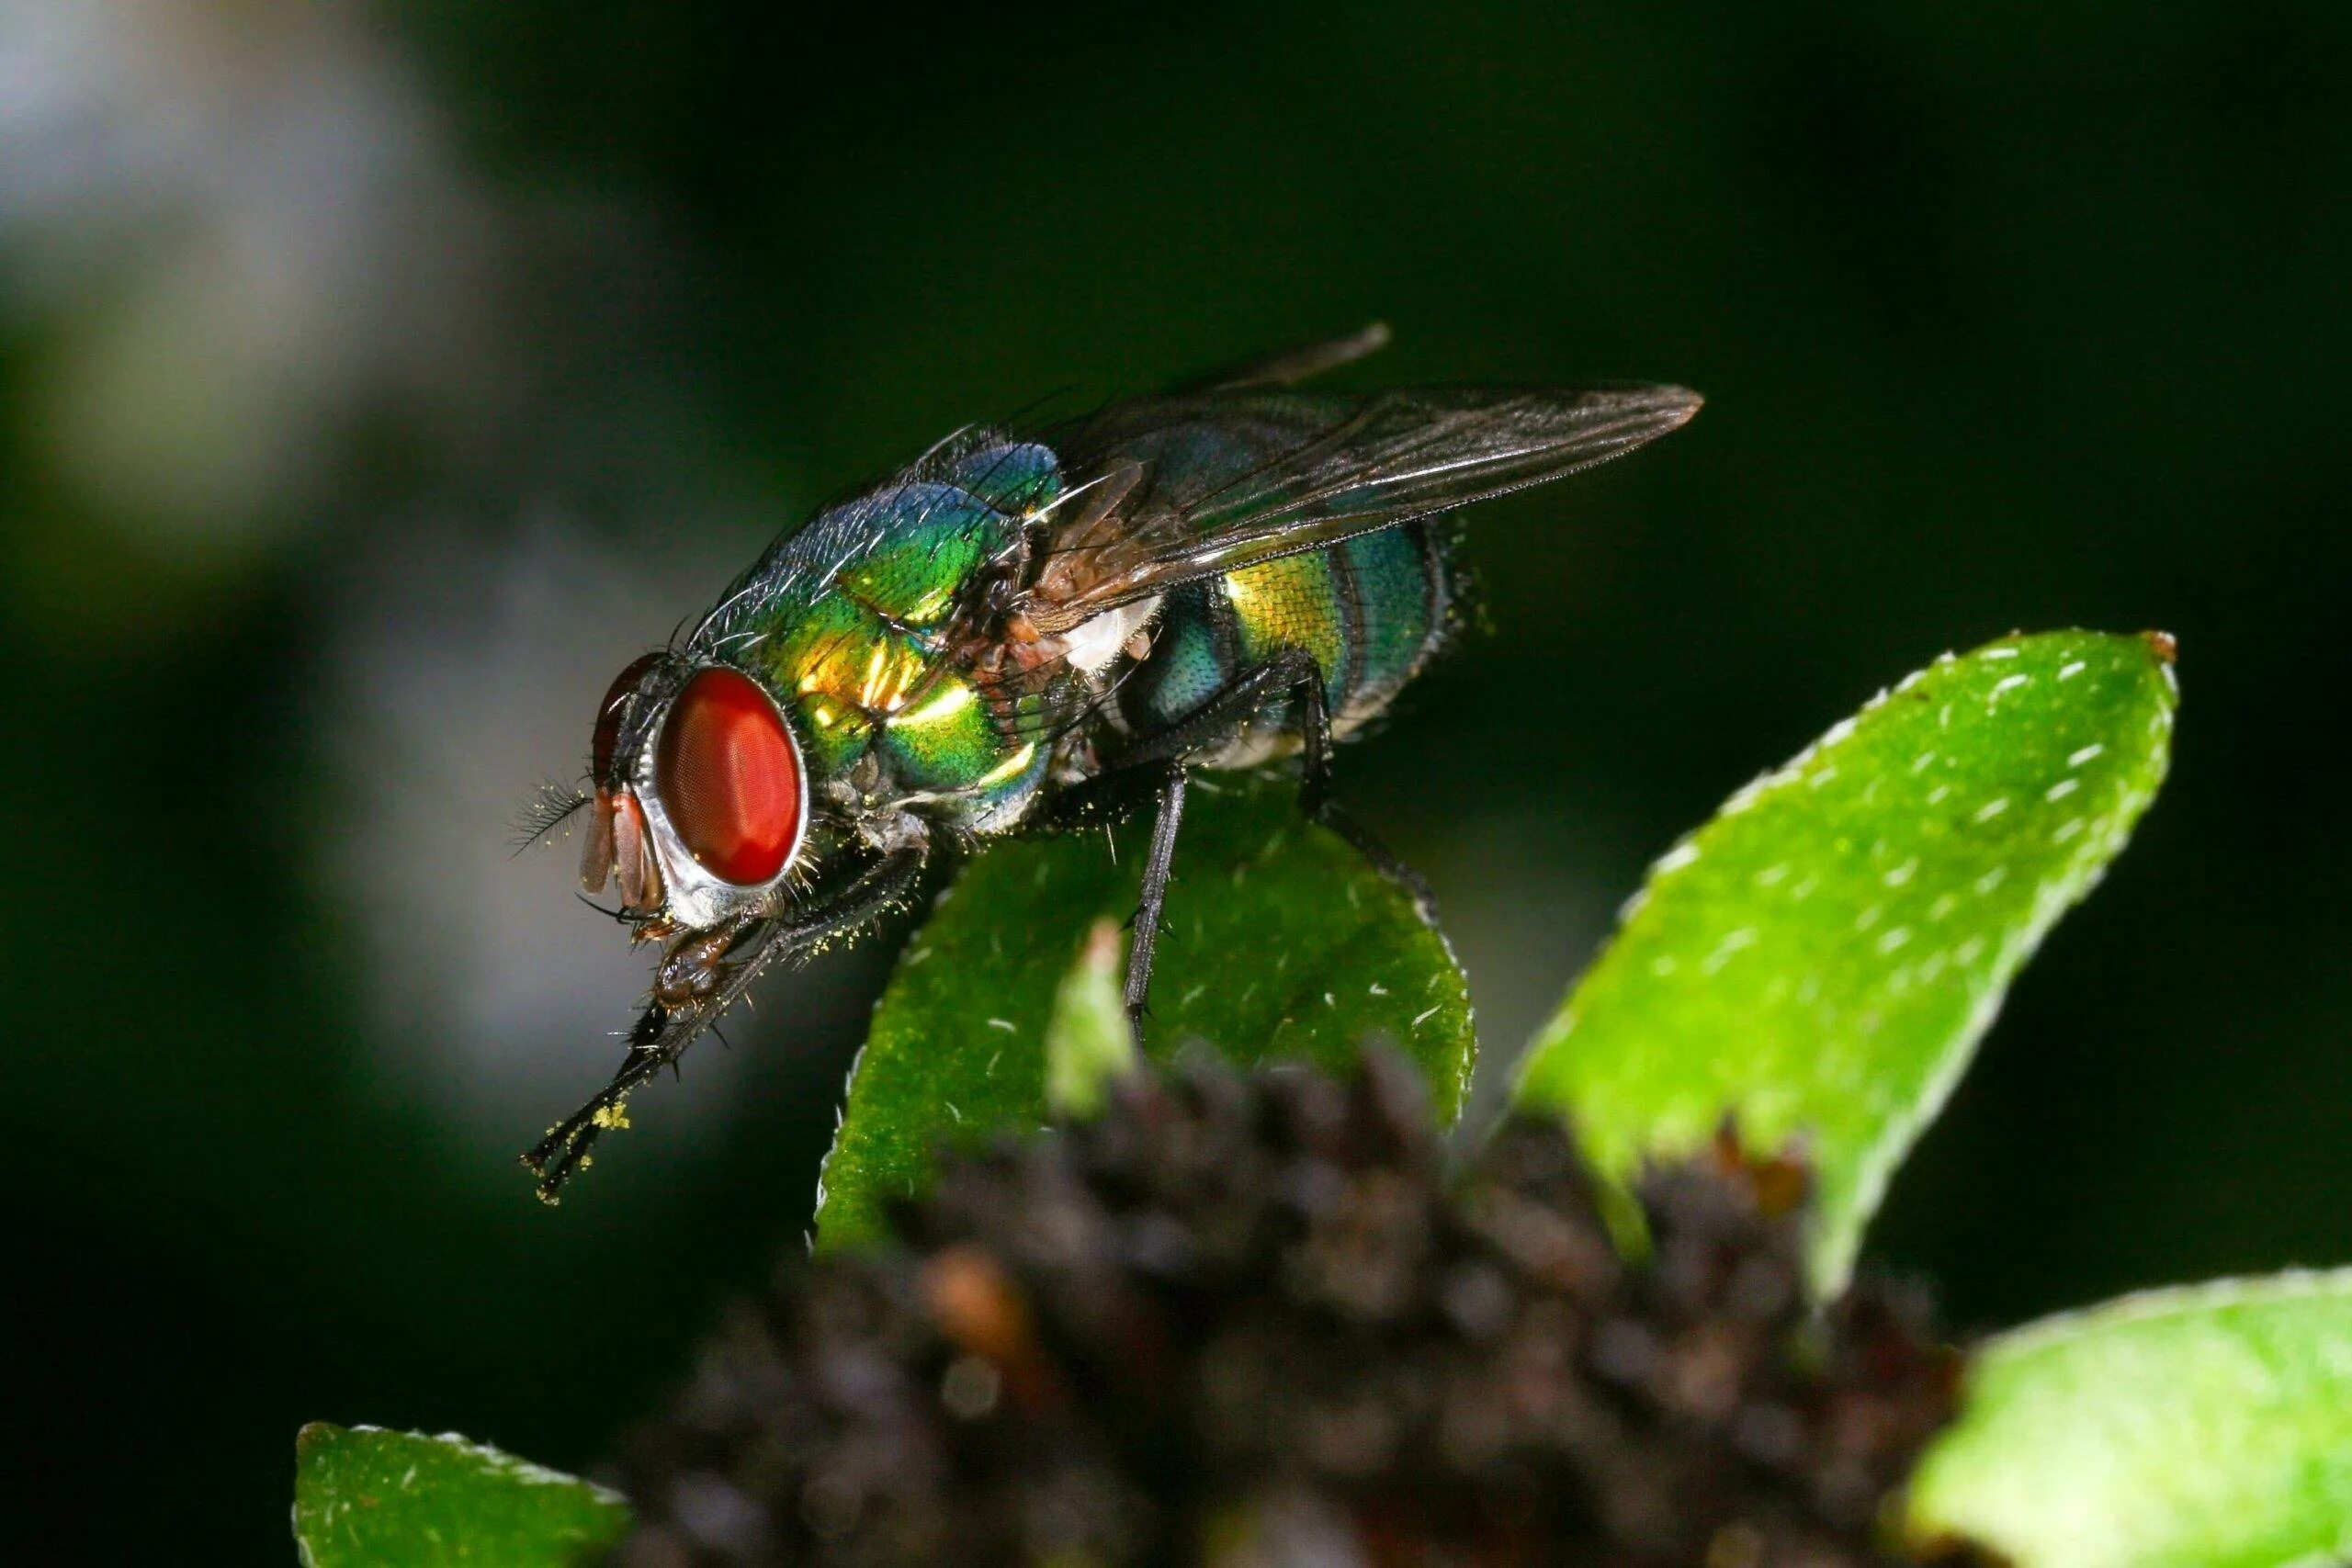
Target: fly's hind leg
x=1315 y=797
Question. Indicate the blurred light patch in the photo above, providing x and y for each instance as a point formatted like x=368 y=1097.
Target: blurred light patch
x=240 y=228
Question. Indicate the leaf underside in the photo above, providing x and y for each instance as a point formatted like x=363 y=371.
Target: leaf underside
x=1280 y=941
x=364 y=1496
x=2209 y=1426
x=1820 y=960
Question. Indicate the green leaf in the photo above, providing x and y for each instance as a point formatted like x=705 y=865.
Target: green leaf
x=1087 y=1044
x=2209 y=1426
x=364 y=1496
x=1279 y=940
x=1821 y=959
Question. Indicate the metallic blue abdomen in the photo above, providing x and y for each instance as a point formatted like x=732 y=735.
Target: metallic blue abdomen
x=1370 y=611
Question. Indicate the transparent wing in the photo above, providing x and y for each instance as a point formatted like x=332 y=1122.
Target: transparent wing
x=1168 y=489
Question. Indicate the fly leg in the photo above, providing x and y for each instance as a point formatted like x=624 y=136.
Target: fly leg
x=1292 y=673
x=1314 y=799
x=1113 y=797
x=1295 y=673
x=1155 y=870
x=700 y=978
x=1162 y=754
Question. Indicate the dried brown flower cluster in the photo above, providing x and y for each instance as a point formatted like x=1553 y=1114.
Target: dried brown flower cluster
x=1250 y=1321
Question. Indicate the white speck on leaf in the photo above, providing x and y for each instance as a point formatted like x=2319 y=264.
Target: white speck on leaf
x=1733 y=941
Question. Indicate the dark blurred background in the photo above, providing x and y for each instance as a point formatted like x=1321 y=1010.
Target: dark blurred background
x=376 y=379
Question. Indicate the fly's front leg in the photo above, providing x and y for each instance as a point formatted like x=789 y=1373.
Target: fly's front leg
x=699 y=978
x=695 y=965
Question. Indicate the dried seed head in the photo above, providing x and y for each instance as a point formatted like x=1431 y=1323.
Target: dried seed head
x=1249 y=1321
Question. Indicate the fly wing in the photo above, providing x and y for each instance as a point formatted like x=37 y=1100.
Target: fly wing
x=1169 y=489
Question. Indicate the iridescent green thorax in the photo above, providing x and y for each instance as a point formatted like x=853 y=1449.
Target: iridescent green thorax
x=845 y=622
x=842 y=623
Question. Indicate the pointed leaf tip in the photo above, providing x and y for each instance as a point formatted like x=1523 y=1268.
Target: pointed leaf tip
x=1820 y=960
x=365 y=1496
x=1087 y=1044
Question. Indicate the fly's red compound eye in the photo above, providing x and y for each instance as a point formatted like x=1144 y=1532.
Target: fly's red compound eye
x=609 y=718
x=728 y=775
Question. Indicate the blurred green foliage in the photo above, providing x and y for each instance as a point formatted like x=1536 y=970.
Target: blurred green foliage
x=2209 y=1425
x=2018 y=316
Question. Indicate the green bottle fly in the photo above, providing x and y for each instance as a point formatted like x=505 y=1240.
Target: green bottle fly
x=1022 y=629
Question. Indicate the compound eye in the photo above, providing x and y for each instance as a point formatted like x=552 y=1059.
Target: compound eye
x=728 y=775
x=608 y=719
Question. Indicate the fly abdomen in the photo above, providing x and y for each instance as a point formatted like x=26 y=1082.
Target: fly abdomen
x=1370 y=611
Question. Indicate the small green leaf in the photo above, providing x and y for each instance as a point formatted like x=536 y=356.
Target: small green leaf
x=364 y=1496
x=2209 y=1426
x=1821 y=959
x=1279 y=940
x=1087 y=1041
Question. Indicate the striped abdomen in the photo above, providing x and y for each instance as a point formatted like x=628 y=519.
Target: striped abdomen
x=1371 y=610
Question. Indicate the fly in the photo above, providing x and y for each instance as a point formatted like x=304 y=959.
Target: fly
x=1030 y=631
